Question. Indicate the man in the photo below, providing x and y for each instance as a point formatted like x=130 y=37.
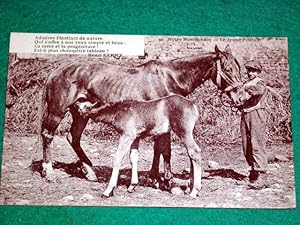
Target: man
x=253 y=126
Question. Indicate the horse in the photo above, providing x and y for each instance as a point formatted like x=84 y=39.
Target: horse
x=136 y=120
x=77 y=82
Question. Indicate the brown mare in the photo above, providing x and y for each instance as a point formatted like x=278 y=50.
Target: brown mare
x=87 y=82
x=135 y=120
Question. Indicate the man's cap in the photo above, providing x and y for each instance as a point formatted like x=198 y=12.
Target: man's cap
x=254 y=65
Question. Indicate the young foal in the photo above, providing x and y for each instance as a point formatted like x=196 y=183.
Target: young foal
x=133 y=119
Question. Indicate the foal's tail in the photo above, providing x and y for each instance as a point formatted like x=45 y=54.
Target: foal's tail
x=196 y=111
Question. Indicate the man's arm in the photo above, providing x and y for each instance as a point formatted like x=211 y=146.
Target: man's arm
x=258 y=89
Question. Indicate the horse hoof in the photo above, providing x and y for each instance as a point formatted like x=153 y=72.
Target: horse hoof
x=153 y=182
x=44 y=173
x=51 y=178
x=194 y=194
x=167 y=185
x=104 y=195
x=91 y=177
x=89 y=172
x=131 y=188
x=48 y=172
x=168 y=176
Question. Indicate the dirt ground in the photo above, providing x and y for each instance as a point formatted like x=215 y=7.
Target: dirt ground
x=22 y=184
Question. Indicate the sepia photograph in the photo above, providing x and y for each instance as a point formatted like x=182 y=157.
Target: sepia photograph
x=191 y=122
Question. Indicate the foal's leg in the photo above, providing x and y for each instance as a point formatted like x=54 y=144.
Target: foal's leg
x=195 y=155
x=124 y=147
x=77 y=127
x=49 y=125
x=134 y=165
x=162 y=145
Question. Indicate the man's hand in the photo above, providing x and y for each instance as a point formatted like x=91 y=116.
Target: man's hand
x=251 y=90
x=255 y=90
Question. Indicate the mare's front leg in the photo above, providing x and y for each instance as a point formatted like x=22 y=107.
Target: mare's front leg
x=77 y=127
x=49 y=125
x=124 y=147
x=162 y=145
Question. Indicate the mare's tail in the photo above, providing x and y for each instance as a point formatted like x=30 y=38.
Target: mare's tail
x=42 y=113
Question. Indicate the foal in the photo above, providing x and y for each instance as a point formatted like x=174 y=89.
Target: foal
x=133 y=119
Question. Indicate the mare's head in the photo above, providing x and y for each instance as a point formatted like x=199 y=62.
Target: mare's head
x=228 y=77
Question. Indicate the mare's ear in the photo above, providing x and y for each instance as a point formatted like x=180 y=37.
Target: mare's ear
x=217 y=50
x=228 y=50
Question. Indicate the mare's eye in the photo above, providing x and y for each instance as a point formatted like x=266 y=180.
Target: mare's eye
x=227 y=69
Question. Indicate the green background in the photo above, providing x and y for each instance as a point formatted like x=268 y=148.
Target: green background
x=207 y=18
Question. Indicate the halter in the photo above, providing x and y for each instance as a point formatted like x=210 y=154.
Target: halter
x=232 y=83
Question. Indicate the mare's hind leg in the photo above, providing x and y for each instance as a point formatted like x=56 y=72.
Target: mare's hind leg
x=77 y=127
x=162 y=145
x=49 y=125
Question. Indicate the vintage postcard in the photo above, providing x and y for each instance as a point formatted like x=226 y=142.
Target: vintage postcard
x=149 y=121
